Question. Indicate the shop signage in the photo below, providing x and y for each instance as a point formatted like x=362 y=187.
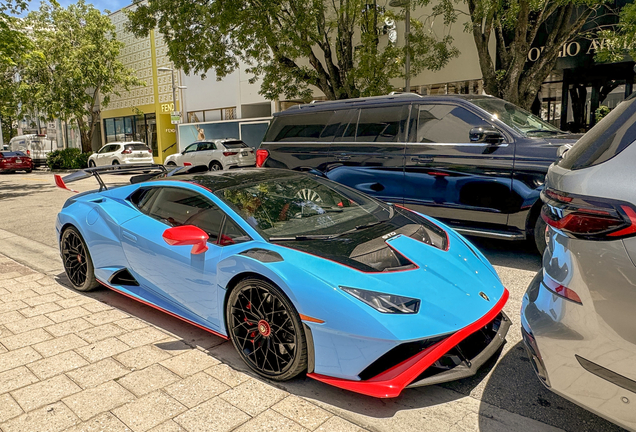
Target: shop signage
x=571 y=49
x=175 y=117
x=167 y=107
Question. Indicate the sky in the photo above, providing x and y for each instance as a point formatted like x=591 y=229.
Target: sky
x=111 y=5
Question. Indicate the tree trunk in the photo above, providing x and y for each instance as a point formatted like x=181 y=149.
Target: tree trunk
x=85 y=135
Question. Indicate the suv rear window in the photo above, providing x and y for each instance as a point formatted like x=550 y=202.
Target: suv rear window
x=136 y=147
x=234 y=144
x=611 y=136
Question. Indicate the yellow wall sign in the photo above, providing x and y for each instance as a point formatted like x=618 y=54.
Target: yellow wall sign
x=167 y=107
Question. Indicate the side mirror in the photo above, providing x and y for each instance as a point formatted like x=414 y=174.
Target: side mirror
x=485 y=134
x=186 y=235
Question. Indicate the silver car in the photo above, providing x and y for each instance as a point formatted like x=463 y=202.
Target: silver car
x=579 y=313
x=216 y=154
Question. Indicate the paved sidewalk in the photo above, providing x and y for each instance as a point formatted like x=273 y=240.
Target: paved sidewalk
x=71 y=362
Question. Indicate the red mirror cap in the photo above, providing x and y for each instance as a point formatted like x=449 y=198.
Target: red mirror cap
x=187 y=235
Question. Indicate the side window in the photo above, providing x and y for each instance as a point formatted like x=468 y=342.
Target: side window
x=445 y=124
x=298 y=128
x=232 y=233
x=206 y=146
x=338 y=123
x=191 y=148
x=349 y=132
x=143 y=198
x=384 y=124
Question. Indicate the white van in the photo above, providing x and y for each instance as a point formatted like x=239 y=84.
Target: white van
x=37 y=147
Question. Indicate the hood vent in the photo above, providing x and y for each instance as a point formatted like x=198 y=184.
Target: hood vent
x=379 y=256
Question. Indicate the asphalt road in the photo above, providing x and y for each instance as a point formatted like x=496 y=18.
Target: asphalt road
x=505 y=394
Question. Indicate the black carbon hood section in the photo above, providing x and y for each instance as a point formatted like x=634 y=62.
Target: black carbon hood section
x=366 y=250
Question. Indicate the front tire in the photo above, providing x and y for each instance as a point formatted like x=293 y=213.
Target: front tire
x=91 y=164
x=266 y=330
x=77 y=261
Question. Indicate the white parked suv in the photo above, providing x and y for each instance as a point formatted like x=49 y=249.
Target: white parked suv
x=215 y=154
x=116 y=153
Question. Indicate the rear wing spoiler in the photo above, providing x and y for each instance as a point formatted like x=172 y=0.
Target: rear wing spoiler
x=146 y=171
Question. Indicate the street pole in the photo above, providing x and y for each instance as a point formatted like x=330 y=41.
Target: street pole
x=174 y=108
x=407 y=81
x=1 y=137
x=406 y=4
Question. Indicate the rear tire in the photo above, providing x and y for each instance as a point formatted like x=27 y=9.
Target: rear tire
x=115 y=162
x=29 y=171
x=215 y=166
x=266 y=330
x=539 y=234
x=171 y=164
x=77 y=261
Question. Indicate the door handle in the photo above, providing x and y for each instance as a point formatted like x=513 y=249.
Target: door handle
x=129 y=236
x=343 y=157
x=424 y=159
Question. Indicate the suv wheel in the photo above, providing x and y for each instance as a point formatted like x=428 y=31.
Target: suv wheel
x=539 y=234
x=215 y=166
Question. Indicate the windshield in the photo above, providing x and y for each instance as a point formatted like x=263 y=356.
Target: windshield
x=519 y=119
x=303 y=206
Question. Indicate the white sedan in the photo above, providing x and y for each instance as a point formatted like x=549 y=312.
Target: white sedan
x=216 y=154
x=116 y=153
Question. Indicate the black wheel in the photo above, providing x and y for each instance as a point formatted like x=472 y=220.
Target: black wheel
x=77 y=261
x=266 y=330
x=115 y=162
x=171 y=164
x=215 y=166
x=29 y=171
x=91 y=164
x=539 y=234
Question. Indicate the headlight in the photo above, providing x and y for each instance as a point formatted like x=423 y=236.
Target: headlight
x=385 y=303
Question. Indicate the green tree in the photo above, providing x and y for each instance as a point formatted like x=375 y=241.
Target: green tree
x=337 y=46
x=620 y=41
x=516 y=25
x=14 y=45
x=74 y=63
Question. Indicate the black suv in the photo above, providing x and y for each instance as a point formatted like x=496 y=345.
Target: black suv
x=476 y=162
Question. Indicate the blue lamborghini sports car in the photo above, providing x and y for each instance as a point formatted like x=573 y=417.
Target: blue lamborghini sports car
x=302 y=274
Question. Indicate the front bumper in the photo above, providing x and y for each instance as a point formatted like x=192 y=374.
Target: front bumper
x=414 y=371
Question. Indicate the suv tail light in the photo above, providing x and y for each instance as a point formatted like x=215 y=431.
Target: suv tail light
x=126 y=151
x=229 y=153
x=28 y=152
x=150 y=150
x=588 y=217
x=261 y=157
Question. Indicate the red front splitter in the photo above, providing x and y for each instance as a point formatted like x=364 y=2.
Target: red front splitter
x=390 y=383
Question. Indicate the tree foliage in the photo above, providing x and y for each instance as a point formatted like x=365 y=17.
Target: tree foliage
x=73 y=63
x=621 y=40
x=516 y=25
x=338 y=46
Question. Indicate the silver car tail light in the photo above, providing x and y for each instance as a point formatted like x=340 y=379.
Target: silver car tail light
x=588 y=217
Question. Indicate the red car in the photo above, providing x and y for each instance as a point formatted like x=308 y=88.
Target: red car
x=15 y=161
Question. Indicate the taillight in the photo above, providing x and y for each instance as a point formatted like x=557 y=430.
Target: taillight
x=261 y=156
x=150 y=151
x=588 y=217
x=126 y=151
x=28 y=152
x=229 y=153
x=560 y=290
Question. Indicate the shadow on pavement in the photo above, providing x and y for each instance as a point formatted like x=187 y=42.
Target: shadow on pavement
x=518 y=254
x=19 y=190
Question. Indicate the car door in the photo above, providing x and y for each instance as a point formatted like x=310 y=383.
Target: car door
x=450 y=177
x=172 y=273
x=99 y=156
x=205 y=153
x=109 y=156
x=369 y=155
x=189 y=154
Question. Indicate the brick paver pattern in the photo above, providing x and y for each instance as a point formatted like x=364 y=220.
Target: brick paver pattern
x=70 y=362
